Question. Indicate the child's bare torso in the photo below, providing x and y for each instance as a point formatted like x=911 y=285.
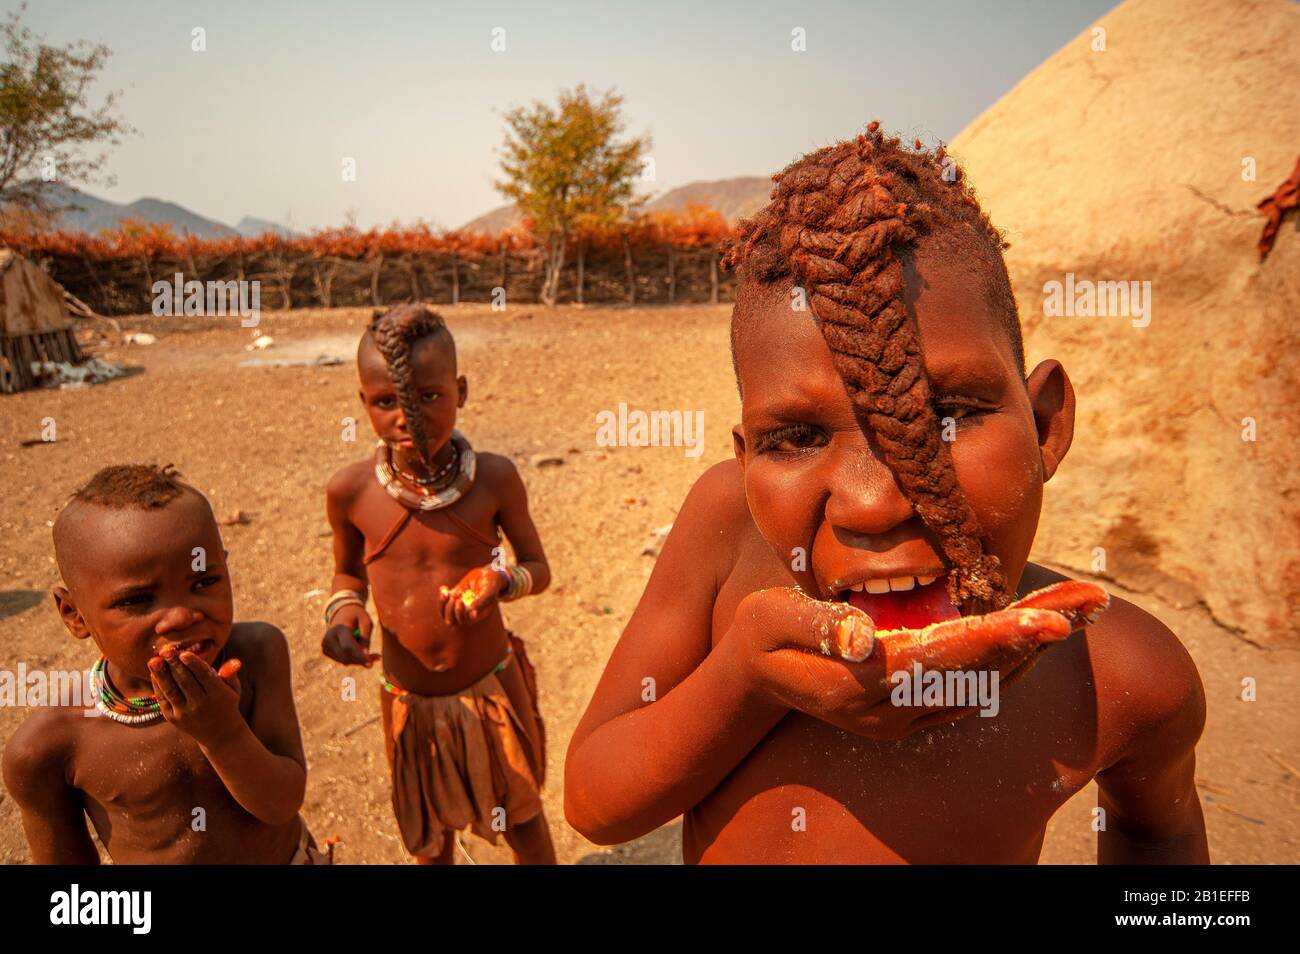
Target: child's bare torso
x=980 y=790
x=153 y=797
x=421 y=652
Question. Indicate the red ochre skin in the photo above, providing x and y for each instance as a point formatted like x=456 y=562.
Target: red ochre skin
x=230 y=746
x=434 y=643
x=776 y=752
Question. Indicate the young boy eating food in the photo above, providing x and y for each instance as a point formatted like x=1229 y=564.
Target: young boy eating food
x=874 y=529
x=418 y=521
x=196 y=756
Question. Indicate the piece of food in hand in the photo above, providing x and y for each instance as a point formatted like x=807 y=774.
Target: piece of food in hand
x=1080 y=603
x=229 y=668
x=467 y=598
x=1046 y=615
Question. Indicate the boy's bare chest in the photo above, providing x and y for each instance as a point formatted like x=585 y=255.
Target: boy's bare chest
x=398 y=539
x=142 y=772
x=978 y=790
x=150 y=774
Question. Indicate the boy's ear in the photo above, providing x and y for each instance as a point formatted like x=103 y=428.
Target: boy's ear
x=738 y=444
x=69 y=613
x=462 y=386
x=1052 y=399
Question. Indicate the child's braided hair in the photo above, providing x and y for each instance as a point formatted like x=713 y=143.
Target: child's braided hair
x=395 y=331
x=840 y=222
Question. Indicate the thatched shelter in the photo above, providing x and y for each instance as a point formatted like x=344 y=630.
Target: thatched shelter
x=35 y=324
x=1142 y=159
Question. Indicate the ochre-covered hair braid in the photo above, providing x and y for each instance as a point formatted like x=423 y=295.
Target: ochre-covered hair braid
x=395 y=332
x=837 y=222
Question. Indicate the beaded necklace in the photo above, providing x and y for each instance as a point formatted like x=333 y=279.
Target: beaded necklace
x=461 y=481
x=437 y=481
x=137 y=711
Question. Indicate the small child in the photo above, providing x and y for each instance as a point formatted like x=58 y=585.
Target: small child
x=418 y=522
x=188 y=763
x=873 y=532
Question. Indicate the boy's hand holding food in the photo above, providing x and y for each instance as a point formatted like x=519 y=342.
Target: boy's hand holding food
x=827 y=659
x=200 y=701
x=470 y=599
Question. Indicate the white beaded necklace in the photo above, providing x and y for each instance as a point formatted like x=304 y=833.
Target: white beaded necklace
x=427 y=501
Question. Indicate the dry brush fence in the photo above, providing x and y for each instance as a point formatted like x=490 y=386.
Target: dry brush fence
x=662 y=259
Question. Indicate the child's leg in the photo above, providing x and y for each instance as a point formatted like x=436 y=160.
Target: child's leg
x=448 y=854
x=531 y=842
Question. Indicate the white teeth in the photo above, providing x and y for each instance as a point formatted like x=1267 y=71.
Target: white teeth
x=896 y=584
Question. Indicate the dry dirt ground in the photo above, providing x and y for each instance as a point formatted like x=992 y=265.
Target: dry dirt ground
x=264 y=440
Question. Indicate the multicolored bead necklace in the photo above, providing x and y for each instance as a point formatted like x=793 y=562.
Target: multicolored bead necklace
x=437 y=481
x=137 y=711
x=462 y=478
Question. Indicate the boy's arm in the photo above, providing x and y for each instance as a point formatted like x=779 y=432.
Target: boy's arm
x=1152 y=809
x=35 y=773
x=349 y=544
x=670 y=717
x=261 y=761
x=517 y=523
x=341 y=641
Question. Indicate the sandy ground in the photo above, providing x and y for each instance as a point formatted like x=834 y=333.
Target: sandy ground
x=263 y=440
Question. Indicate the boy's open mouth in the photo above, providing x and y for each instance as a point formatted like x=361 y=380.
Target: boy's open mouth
x=901 y=602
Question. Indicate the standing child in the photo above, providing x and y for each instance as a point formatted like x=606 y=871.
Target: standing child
x=188 y=762
x=418 y=522
x=888 y=475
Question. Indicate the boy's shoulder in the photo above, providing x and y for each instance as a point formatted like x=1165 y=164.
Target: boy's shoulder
x=351 y=479
x=1144 y=668
x=1144 y=677
x=718 y=497
x=497 y=473
x=715 y=517
x=256 y=643
x=41 y=748
x=494 y=467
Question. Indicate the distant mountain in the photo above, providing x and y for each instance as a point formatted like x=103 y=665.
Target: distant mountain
x=498 y=220
x=734 y=198
x=93 y=214
x=251 y=227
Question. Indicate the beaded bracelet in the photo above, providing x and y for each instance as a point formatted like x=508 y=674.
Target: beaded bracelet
x=519 y=581
x=341 y=599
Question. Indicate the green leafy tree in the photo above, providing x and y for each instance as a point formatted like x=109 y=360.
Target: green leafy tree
x=46 y=122
x=568 y=167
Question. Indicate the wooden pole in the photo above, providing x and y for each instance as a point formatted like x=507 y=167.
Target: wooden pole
x=672 y=274
x=713 y=276
x=374 y=280
x=631 y=275
x=582 y=256
x=415 y=279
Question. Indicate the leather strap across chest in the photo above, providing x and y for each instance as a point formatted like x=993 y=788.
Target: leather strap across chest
x=374 y=553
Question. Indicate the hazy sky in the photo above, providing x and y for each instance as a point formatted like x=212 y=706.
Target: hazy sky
x=259 y=124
